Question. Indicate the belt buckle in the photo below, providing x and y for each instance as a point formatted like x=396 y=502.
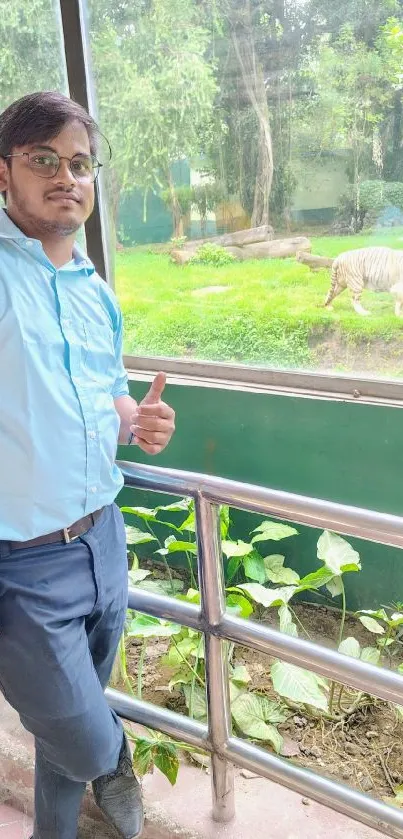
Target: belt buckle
x=67 y=537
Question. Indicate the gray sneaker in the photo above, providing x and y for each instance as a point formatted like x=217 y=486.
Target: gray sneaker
x=118 y=795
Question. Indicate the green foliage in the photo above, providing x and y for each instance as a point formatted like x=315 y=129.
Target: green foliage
x=157 y=750
x=274 y=586
x=180 y=194
x=376 y=195
x=210 y=254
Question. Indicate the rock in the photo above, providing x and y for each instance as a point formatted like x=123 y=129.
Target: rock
x=315 y=751
x=305 y=801
x=347 y=773
x=366 y=783
x=372 y=733
x=290 y=747
x=352 y=749
x=299 y=721
x=249 y=775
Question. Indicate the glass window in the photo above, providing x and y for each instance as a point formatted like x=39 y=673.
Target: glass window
x=31 y=53
x=257 y=172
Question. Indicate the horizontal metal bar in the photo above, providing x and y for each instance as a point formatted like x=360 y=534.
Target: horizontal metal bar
x=289 y=382
x=353 y=521
x=377 y=681
x=339 y=797
x=159 y=606
x=153 y=716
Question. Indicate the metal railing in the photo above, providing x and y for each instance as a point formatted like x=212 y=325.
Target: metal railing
x=218 y=628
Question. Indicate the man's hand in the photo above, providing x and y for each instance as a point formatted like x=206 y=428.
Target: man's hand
x=154 y=421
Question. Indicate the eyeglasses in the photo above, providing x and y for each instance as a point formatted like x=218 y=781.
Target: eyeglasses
x=84 y=167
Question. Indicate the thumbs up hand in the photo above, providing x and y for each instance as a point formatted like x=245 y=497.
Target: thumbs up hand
x=154 y=420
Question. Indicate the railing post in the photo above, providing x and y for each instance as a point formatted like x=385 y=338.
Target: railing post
x=211 y=583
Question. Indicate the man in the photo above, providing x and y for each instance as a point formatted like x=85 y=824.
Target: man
x=64 y=404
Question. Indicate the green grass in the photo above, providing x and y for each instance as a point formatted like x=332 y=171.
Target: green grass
x=271 y=313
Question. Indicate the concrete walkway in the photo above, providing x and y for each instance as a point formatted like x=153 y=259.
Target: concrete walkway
x=13 y=825
x=264 y=809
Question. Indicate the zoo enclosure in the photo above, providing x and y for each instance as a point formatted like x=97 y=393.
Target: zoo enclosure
x=219 y=627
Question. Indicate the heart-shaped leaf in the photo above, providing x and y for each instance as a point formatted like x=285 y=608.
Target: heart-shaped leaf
x=351 y=647
x=144 y=513
x=238 y=548
x=248 y=711
x=315 y=580
x=135 y=536
x=268 y=596
x=254 y=567
x=144 y=626
x=335 y=586
x=337 y=554
x=276 y=573
x=239 y=605
x=272 y=530
x=176 y=507
x=241 y=675
x=298 y=685
x=372 y=625
x=195 y=698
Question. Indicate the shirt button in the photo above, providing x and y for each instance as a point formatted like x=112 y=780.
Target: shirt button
x=94 y=489
x=29 y=243
x=92 y=435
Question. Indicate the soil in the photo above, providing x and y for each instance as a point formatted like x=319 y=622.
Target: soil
x=331 y=351
x=365 y=750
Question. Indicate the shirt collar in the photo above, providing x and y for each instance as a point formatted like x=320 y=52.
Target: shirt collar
x=9 y=230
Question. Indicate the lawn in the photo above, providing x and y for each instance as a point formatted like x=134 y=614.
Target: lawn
x=262 y=311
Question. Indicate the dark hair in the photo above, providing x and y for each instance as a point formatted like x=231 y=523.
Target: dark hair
x=39 y=117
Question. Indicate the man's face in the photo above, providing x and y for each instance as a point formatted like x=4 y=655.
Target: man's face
x=49 y=206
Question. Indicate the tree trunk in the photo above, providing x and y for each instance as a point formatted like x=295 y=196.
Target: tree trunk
x=253 y=79
x=177 y=221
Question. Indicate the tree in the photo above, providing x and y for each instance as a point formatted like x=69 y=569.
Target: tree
x=155 y=89
x=31 y=55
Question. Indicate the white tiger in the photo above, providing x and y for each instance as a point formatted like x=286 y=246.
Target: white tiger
x=376 y=268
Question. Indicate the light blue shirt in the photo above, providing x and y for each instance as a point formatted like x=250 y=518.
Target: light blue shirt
x=60 y=369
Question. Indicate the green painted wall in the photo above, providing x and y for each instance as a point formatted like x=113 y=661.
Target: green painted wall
x=344 y=452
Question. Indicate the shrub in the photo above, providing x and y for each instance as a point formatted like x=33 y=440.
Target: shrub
x=210 y=254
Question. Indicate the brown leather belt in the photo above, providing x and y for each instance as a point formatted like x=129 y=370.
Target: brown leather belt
x=68 y=534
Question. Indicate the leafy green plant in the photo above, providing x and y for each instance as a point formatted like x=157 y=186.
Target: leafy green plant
x=158 y=750
x=255 y=582
x=386 y=624
x=210 y=254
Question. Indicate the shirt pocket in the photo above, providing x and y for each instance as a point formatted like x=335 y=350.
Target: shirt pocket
x=98 y=352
